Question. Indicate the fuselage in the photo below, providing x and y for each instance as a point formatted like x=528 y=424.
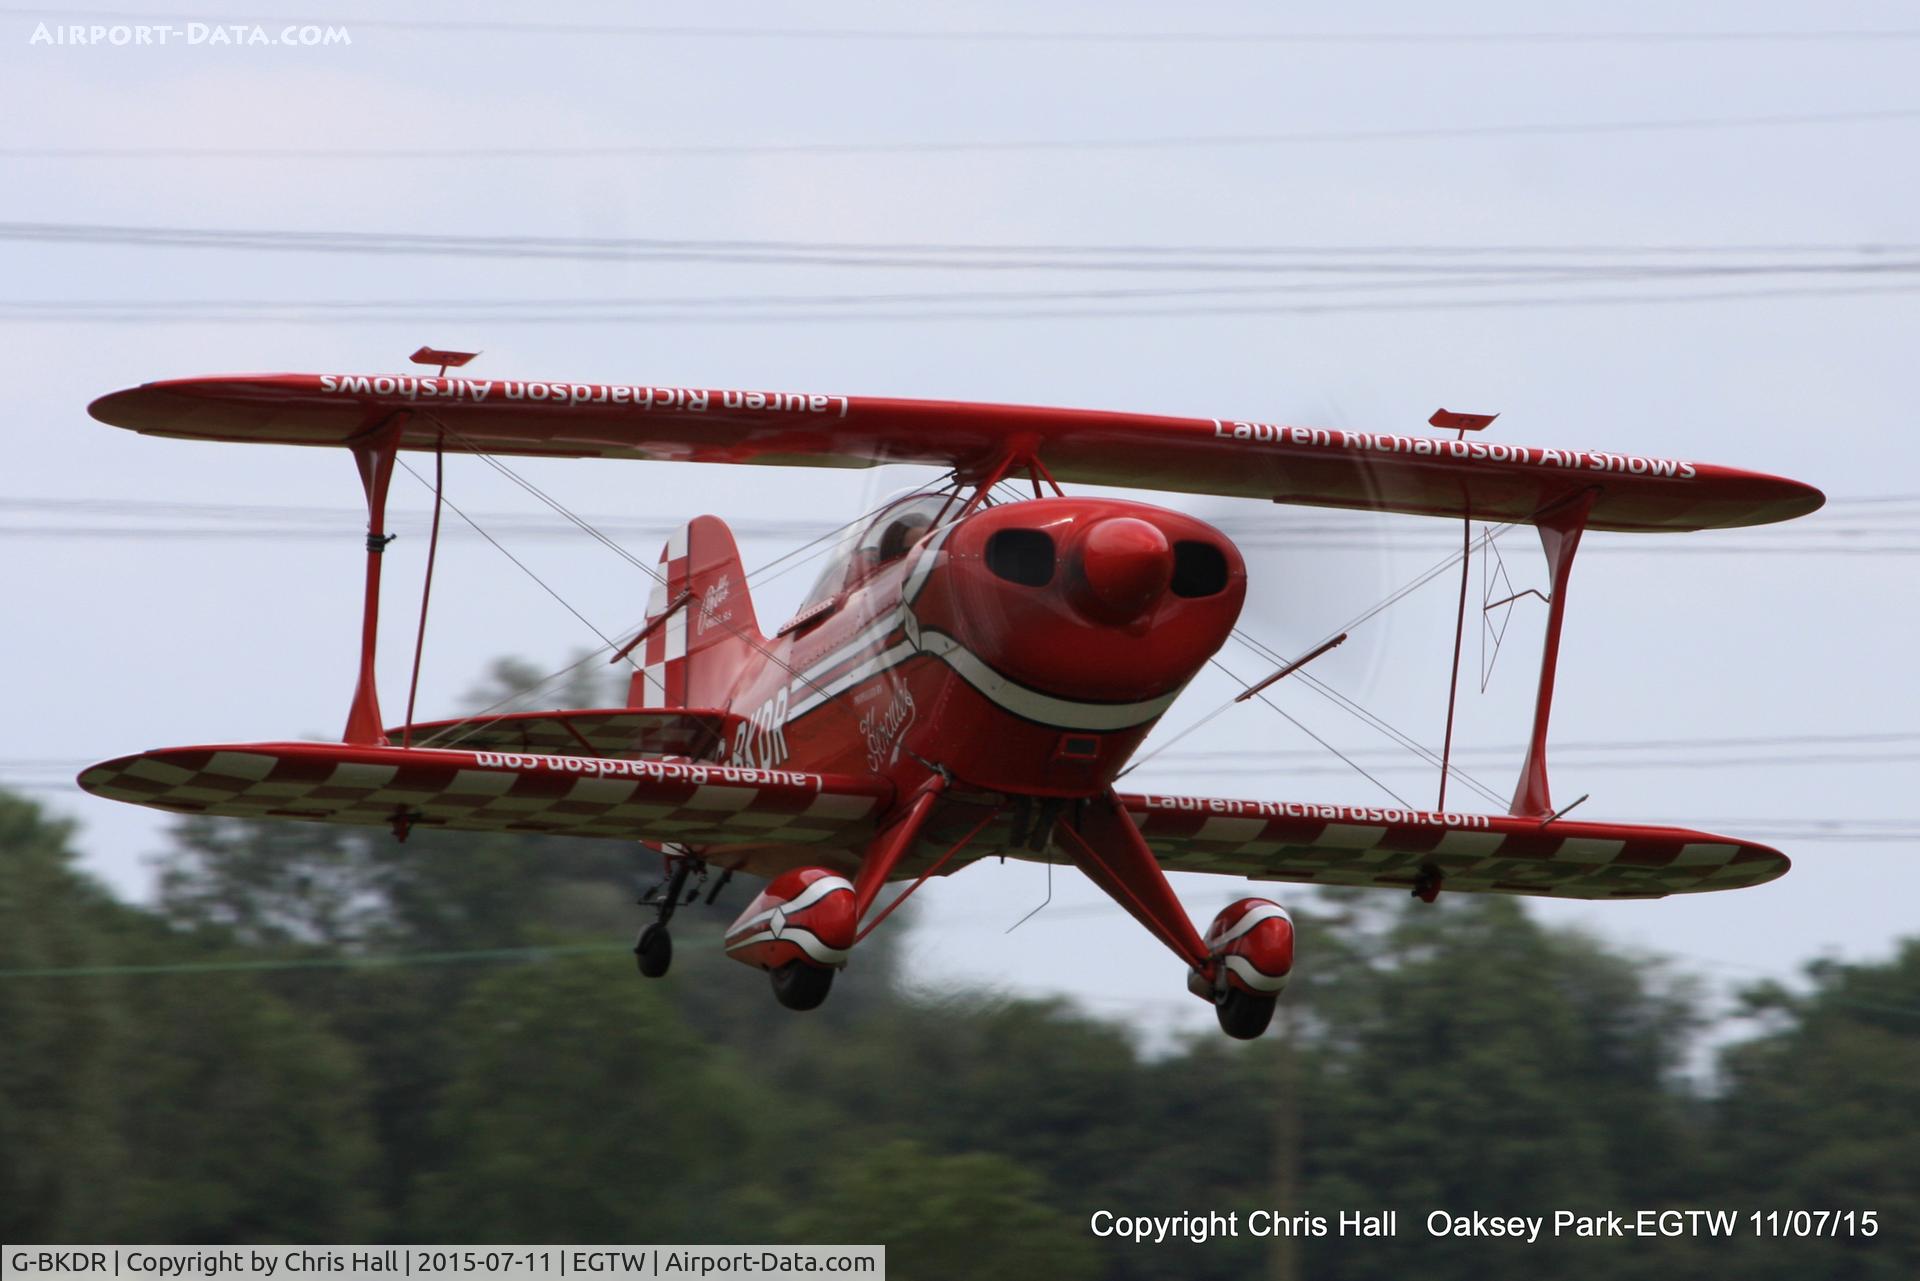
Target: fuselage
x=1025 y=649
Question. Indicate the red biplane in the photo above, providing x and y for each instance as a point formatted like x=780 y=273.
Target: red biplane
x=968 y=678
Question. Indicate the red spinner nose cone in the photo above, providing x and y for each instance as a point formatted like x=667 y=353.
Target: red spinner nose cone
x=1125 y=566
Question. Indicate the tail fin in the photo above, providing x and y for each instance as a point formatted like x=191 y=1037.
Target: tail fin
x=703 y=636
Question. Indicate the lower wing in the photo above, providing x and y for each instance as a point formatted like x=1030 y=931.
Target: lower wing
x=1479 y=853
x=492 y=791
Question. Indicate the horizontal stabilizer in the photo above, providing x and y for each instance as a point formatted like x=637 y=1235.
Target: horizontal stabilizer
x=1497 y=854
x=1320 y=467
x=470 y=791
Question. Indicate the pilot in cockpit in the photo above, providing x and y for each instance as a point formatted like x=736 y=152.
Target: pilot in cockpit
x=890 y=536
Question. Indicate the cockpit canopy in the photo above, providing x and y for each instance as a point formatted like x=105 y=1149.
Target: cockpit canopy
x=893 y=532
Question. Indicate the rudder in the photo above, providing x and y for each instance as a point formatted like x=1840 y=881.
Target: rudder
x=709 y=637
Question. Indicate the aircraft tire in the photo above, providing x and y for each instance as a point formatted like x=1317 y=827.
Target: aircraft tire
x=653 y=950
x=1244 y=1016
x=799 y=986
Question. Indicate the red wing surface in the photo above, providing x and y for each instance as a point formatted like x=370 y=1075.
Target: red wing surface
x=492 y=791
x=1497 y=854
x=1424 y=475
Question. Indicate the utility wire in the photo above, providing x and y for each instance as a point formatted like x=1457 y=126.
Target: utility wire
x=594 y=310
x=781 y=316
x=1173 y=142
x=1850 y=508
x=558 y=951
x=753 y=640
x=1231 y=756
x=366 y=961
x=915 y=254
x=543 y=584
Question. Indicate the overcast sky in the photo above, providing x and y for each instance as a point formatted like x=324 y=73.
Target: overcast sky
x=128 y=633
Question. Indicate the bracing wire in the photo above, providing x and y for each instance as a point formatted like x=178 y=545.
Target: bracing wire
x=1368 y=717
x=544 y=585
x=1492 y=532
x=586 y=527
x=1297 y=724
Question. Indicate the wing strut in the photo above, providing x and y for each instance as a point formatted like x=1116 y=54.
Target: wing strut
x=1560 y=529
x=1462 y=423
x=373 y=454
x=426 y=586
x=883 y=855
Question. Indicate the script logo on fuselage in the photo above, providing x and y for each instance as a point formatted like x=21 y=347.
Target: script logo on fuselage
x=710 y=602
x=886 y=729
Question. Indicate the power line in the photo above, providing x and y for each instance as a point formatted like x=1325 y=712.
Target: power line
x=1250 y=764
x=1620 y=745
x=1805 y=831
x=1846 y=527
x=1175 y=142
x=851 y=316
x=595 y=310
x=550 y=952
x=256 y=533
x=523 y=566
x=301 y=240
x=1292 y=259
x=1854 y=507
x=1226 y=760
x=1229 y=756
x=368 y=961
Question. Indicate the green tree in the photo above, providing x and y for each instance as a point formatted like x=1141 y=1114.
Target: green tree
x=946 y=1218
x=1818 y=1114
x=168 y=1106
x=1462 y=1057
x=244 y=1117
x=583 y=1109
x=274 y=884
x=61 y=1160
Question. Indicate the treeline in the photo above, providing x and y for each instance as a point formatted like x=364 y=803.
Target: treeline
x=1459 y=1057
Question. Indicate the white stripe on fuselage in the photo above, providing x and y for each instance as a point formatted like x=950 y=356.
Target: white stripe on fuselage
x=1031 y=704
x=818 y=695
x=1005 y=692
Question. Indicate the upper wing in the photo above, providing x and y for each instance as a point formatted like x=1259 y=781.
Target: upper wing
x=1342 y=845
x=617 y=731
x=691 y=804
x=1424 y=475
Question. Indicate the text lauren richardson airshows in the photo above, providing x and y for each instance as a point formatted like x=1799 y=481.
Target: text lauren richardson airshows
x=1157 y=1229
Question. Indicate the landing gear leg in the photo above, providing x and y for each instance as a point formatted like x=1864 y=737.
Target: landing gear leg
x=653 y=950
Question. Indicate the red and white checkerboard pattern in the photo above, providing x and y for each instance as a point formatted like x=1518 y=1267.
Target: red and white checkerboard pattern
x=691 y=804
x=662 y=678
x=713 y=805
x=1329 y=845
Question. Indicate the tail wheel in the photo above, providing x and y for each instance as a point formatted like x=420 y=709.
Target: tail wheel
x=799 y=986
x=653 y=951
x=1243 y=1015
